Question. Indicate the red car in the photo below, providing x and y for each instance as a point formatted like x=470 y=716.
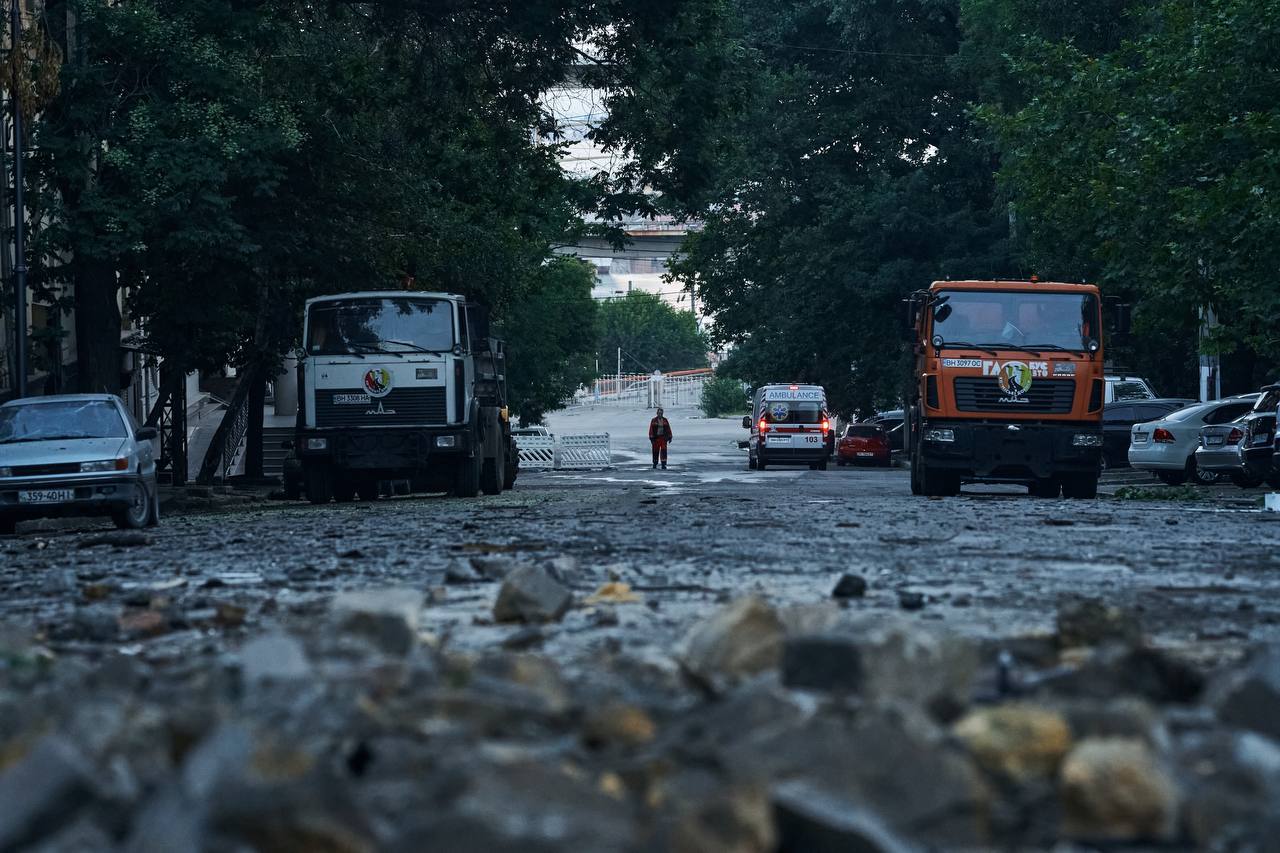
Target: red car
x=863 y=444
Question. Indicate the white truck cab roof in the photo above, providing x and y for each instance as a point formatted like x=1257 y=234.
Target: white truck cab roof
x=385 y=294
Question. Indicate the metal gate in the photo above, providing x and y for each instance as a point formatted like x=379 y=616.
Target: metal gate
x=565 y=452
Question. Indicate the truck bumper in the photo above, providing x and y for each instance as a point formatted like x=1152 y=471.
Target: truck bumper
x=1011 y=453
x=391 y=449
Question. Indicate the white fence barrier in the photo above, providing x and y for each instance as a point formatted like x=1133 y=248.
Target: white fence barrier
x=536 y=451
x=565 y=452
x=588 y=450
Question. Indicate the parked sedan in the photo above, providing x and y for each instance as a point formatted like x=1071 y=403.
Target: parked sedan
x=75 y=454
x=863 y=444
x=1117 y=423
x=1167 y=447
x=1243 y=449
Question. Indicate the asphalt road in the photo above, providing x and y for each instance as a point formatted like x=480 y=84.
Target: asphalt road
x=1204 y=575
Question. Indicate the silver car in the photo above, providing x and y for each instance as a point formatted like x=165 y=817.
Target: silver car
x=1167 y=447
x=76 y=454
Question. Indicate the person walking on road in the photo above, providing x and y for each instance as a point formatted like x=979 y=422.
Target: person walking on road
x=659 y=438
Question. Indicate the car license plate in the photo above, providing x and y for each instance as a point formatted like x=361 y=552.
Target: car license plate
x=47 y=496
x=351 y=399
x=778 y=439
x=1212 y=440
x=865 y=453
x=1139 y=437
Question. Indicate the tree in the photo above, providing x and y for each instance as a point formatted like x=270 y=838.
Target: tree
x=651 y=334
x=1147 y=164
x=551 y=338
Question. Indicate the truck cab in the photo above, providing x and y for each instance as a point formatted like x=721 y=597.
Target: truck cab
x=1008 y=386
x=401 y=385
x=790 y=425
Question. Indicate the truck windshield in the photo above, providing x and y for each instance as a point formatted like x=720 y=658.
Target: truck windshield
x=987 y=318
x=393 y=324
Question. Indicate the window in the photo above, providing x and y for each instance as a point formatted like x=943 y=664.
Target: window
x=1117 y=414
x=397 y=324
x=1130 y=390
x=792 y=412
x=64 y=419
x=855 y=431
x=1016 y=318
x=1227 y=413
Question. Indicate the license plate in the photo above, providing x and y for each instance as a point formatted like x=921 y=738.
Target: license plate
x=1139 y=437
x=1212 y=440
x=778 y=439
x=351 y=399
x=47 y=496
x=865 y=453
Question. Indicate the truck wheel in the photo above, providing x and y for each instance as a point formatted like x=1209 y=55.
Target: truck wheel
x=368 y=490
x=491 y=474
x=1046 y=488
x=466 y=483
x=344 y=491
x=319 y=484
x=1080 y=486
x=510 y=471
x=939 y=483
x=292 y=489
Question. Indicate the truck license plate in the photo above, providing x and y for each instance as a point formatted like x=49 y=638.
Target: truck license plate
x=47 y=496
x=351 y=399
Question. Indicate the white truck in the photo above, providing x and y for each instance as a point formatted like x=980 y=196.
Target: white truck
x=401 y=386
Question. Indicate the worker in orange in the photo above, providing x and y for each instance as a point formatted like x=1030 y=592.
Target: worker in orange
x=659 y=438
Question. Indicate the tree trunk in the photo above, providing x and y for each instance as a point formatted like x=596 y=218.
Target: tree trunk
x=97 y=328
x=253 y=434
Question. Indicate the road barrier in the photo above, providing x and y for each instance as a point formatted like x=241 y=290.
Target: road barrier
x=536 y=451
x=565 y=452
x=587 y=450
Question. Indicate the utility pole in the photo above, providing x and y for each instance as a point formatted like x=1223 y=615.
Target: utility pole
x=19 y=212
x=619 y=370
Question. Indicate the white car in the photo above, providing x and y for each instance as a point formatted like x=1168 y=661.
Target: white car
x=1120 y=388
x=1167 y=447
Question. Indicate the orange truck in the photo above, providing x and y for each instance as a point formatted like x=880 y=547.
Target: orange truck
x=1007 y=387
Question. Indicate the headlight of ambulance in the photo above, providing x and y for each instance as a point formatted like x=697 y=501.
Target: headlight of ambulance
x=317 y=444
x=1086 y=439
x=446 y=441
x=121 y=464
x=937 y=434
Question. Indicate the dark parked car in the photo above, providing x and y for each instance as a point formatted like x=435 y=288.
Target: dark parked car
x=893 y=422
x=863 y=444
x=1244 y=448
x=1117 y=425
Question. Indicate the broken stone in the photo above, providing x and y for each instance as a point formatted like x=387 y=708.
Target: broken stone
x=118 y=539
x=529 y=594
x=274 y=657
x=850 y=586
x=713 y=814
x=42 y=791
x=1019 y=742
x=493 y=568
x=1231 y=786
x=911 y=600
x=1114 y=670
x=811 y=820
x=614 y=592
x=819 y=662
x=1250 y=698
x=1115 y=789
x=739 y=640
x=143 y=623
x=618 y=723
x=1086 y=621
x=387 y=617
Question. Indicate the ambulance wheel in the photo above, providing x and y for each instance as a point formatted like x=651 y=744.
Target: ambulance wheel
x=751 y=463
x=822 y=466
x=760 y=463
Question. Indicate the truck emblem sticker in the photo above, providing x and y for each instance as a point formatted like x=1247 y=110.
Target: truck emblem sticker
x=377 y=382
x=379 y=410
x=1015 y=380
x=779 y=411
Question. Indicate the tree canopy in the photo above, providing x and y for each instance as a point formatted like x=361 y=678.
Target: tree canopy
x=651 y=334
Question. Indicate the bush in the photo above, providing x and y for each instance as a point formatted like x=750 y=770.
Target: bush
x=723 y=396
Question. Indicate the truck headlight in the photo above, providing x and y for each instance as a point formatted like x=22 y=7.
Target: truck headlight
x=1086 y=439
x=446 y=441
x=939 y=434
x=121 y=464
x=317 y=444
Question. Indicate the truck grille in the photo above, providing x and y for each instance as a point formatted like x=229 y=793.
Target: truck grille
x=983 y=394
x=402 y=407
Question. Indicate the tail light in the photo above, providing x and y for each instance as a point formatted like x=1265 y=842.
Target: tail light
x=1234 y=436
x=826 y=425
x=764 y=425
x=1162 y=435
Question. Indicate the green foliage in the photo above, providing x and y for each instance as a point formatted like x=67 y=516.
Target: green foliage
x=551 y=339
x=723 y=396
x=1148 y=164
x=651 y=334
x=1171 y=493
